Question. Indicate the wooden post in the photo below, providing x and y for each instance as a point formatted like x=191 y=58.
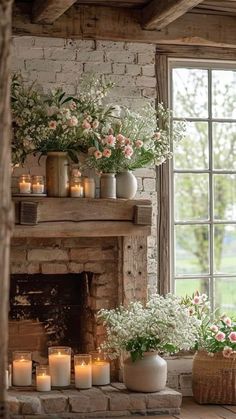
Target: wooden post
x=5 y=196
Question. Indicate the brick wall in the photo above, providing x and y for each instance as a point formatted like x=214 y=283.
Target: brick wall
x=131 y=66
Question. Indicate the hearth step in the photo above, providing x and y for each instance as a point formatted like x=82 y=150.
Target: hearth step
x=98 y=402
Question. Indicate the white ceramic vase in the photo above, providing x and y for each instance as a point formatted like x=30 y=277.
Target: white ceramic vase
x=126 y=185
x=145 y=375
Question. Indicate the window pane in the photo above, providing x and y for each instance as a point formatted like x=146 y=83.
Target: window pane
x=191 y=250
x=224 y=145
x=223 y=94
x=193 y=152
x=225 y=197
x=225 y=295
x=190 y=93
x=190 y=286
x=191 y=196
x=225 y=249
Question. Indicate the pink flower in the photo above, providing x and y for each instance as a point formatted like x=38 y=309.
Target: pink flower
x=220 y=336
x=127 y=141
x=73 y=105
x=97 y=154
x=196 y=299
x=86 y=124
x=106 y=152
x=120 y=139
x=214 y=328
x=128 y=151
x=138 y=143
x=110 y=140
x=157 y=136
x=227 y=321
x=95 y=124
x=232 y=337
x=227 y=351
x=73 y=121
x=52 y=124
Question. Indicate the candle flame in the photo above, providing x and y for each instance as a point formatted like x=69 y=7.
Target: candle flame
x=83 y=364
x=59 y=353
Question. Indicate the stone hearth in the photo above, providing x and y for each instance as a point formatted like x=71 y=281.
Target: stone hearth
x=104 y=402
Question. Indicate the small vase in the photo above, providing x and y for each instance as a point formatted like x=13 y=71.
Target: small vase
x=57 y=174
x=108 y=185
x=148 y=374
x=126 y=185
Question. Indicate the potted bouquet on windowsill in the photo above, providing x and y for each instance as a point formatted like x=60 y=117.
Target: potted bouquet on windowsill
x=163 y=326
x=214 y=364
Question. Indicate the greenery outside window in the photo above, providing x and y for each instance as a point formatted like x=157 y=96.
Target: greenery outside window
x=203 y=182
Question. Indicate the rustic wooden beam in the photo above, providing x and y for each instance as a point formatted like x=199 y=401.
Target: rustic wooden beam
x=5 y=200
x=48 y=11
x=160 y=13
x=117 y=24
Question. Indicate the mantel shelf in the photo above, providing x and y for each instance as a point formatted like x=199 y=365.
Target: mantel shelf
x=80 y=217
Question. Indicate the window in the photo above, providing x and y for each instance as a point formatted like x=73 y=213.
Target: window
x=203 y=182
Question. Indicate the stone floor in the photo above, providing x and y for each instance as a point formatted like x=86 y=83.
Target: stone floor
x=98 y=402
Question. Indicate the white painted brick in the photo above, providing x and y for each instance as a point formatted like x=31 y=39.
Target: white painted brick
x=85 y=45
x=23 y=41
x=121 y=57
x=43 y=76
x=148 y=70
x=146 y=81
x=121 y=81
x=72 y=66
x=133 y=69
x=118 y=68
x=145 y=58
x=42 y=65
x=90 y=56
x=30 y=52
x=49 y=42
x=18 y=64
x=69 y=88
x=125 y=92
x=110 y=46
x=62 y=54
x=146 y=172
x=149 y=185
x=149 y=92
x=100 y=68
x=68 y=77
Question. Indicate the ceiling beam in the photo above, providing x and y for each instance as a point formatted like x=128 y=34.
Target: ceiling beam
x=113 y=24
x=160 y=13
x=49 y=10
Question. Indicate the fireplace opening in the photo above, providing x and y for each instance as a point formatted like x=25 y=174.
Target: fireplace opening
x=49 y=310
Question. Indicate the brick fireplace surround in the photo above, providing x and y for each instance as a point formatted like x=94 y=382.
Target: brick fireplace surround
x=116 y=267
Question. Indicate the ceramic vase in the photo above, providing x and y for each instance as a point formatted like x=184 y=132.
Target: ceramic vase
x=148 y=374
x=108 y=185
x=126 y=185
x=57 y=174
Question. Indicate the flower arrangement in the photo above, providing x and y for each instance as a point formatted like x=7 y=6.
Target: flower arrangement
x=114 y=138
x=164 y=325
x=134 y=140
x=217 y=332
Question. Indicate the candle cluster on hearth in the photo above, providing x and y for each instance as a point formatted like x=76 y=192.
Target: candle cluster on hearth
x=90 y=369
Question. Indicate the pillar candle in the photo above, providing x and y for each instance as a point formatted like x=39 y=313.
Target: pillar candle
x=100 y=373
x=25 y=187
x=43 y=382
x=83 y=376
x=60 y=368
x=22 y=372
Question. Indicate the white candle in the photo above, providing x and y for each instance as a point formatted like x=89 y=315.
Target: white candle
x=43 y=382
x=22 y=372
x=83 y=376
x=38 y=188
x=60 y=366
x=89 y=188
x=100 y=373
x=25 y=187
x=7 y=380
x=77 y=191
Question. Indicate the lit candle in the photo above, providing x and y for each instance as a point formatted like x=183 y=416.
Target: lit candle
x=77 y=191
x=89 y=187
x=100 y=370
x=43 y=379
x=25 y=187
x=22 y=369
x=83 y=371
x=38 y=188
x=60 y=366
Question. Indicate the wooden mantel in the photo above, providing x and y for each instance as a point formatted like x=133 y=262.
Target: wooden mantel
x=80 y=217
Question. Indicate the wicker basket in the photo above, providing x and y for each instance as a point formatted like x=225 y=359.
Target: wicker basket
x=214 y=379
